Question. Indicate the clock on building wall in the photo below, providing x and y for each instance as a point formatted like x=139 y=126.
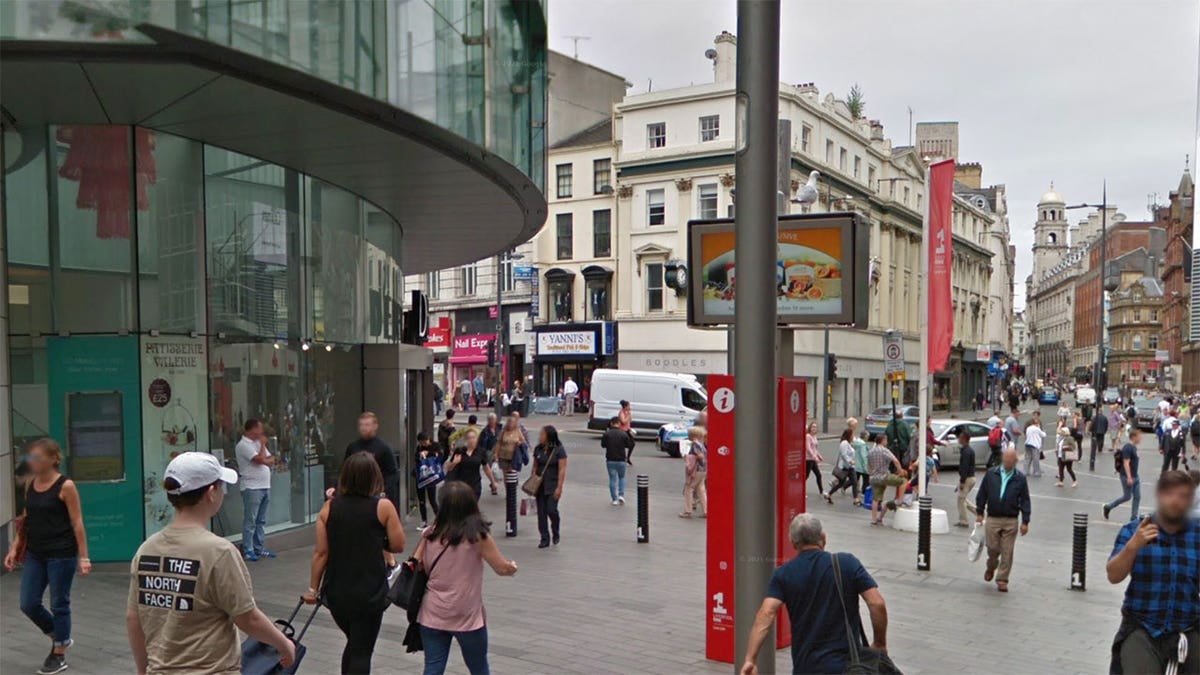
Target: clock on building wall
x=676 y=276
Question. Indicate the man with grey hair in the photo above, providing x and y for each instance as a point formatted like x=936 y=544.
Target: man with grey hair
x=1002 y=497
x=818 y=604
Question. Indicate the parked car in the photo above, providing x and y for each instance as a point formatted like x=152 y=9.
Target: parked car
x=1147 y=410
x=654 y=398
x=877 y=420
x=946 y=430
x=1112 y=395
x=1084 y=393
x=1048 y=396
x=673 y=438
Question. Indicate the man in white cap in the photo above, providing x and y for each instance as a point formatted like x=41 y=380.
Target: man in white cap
x=189 y=589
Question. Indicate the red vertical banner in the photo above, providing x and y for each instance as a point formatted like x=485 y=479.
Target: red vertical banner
x=718 y=631
x=940 y=314
x=790 y=478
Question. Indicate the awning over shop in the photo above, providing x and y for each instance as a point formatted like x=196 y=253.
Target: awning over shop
x=455 y=202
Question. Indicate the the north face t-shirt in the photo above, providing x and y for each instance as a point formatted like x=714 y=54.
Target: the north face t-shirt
x=187 y=585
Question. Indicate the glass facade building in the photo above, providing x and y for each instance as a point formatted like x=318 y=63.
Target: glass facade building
x=162 y=288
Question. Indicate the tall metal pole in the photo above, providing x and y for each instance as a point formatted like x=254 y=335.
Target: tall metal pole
x=500 y=360
x=923 y=314
x=785 y=355
x=1101 y=379
x=756 y=238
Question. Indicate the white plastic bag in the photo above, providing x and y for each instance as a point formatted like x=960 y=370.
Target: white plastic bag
x=975 y=543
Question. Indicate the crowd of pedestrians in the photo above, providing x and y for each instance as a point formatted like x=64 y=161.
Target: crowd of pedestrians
x=360 y=530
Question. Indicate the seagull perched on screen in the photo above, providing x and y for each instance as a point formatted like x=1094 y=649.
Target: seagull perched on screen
x=807 y=194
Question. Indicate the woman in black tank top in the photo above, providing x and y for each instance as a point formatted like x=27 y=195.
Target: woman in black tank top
x=353 y=531
x=52 y=543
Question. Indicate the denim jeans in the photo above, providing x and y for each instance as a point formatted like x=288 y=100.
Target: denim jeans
x=473 y=645
x=57 y=573
x=616 y=479
x=254 y=518
x=1133 y=492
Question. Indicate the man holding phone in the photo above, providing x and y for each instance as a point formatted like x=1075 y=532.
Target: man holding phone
x=1160 y=555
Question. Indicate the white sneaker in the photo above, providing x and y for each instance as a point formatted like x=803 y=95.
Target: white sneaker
x=621 y=499
x=422 y=526
x=616 y=503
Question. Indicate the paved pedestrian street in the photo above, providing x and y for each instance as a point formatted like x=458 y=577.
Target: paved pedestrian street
x=601 y=603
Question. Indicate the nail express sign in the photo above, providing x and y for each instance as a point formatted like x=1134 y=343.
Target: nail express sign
x=567 y=343
x=472 y=346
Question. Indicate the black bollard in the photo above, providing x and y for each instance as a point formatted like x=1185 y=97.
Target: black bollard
x=1079 y=553
x=511 y=493
x=924 y=518
x=643 y=509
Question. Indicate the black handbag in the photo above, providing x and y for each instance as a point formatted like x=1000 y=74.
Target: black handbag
x=863 y=660
x=409 y=587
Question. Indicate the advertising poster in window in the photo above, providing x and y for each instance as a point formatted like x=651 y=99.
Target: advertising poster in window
x=92 y=386
x=816 y=269
x=174 y=412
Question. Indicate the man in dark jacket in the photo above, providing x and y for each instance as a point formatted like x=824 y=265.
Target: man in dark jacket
x=1099 y=429
x=1003 y=496
x=899 y=434
x=966 y=477
x=618 y=452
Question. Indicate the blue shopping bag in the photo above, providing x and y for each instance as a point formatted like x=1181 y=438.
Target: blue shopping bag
x=430 y=471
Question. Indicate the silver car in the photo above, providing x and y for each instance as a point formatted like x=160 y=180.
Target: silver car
x=947 y=430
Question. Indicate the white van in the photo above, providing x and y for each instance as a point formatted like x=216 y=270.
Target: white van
x=654 y=398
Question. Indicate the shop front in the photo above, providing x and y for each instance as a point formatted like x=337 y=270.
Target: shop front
x=468 y=360
x=573 y=350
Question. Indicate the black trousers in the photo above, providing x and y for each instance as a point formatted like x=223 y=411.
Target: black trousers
x=361 y=629
x=1097 y=442
x=1171 y=458
x=547 y=515
x=428 y=492
x=814 y=469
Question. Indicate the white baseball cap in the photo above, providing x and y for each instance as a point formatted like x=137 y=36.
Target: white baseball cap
x=195 y=470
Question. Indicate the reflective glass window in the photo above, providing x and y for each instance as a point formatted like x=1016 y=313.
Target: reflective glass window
x=170 y=230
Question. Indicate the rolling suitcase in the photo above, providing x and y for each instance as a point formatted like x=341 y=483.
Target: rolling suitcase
x=262 y=659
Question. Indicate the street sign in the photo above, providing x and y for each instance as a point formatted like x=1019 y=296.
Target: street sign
x=893 y=356
x=983 y=353
x=524 y=272
x=1162 y=355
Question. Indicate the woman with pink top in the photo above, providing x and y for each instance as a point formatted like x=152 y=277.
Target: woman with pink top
x=813 y=456
x=453 y=552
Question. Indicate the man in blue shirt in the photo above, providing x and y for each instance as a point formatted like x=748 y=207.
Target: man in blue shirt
x=806 y=585
x=1131 y=484
x=1003 y=495
x=1161 y=557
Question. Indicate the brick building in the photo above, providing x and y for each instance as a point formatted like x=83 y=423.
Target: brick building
x=1123 y=237
x=1176 y=219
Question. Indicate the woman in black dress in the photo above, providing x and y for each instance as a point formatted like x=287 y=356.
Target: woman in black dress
x=353 y=531
x=469 y=463
x=549 y=462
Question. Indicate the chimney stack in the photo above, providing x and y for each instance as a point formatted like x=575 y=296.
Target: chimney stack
x=725 y=60
x=876 y=130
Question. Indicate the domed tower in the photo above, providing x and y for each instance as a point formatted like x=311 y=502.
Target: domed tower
x=1049 y=233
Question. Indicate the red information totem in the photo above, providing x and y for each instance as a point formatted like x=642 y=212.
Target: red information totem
x=789 y=500
x=791 y=478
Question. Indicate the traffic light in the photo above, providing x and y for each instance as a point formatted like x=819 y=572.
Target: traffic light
x=491 y=353
x=830 y=367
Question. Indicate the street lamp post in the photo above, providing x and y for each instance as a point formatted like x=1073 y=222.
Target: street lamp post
x=1100 y=378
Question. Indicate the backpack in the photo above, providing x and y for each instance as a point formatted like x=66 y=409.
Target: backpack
x=1119 y=461
x=996 y=436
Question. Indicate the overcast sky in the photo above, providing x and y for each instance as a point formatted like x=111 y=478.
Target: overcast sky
x=1070 y=91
